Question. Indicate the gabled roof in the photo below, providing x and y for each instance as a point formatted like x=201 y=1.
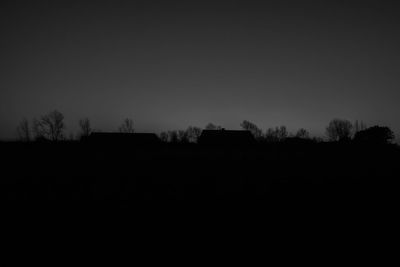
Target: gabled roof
x=226 y=137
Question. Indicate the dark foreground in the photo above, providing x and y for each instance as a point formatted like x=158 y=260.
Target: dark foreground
x=73 y=170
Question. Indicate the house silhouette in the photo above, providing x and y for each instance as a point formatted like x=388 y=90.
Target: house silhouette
x=226 y=138
x=136 y=139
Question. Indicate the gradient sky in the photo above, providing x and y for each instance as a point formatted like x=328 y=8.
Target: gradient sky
x=171 y=64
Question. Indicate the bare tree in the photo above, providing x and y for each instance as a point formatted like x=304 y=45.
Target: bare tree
x=339 y=130
x=359 y=126
x=249 y=126
x=23 y=130
x=126 y=126
x=164 y=136
x=270 y=135
x=356 y=127
x=303 y=133
x=282 y=133
x=50 y=126
x=37 y=133
x=363 y=126
x=211 y=126
x=85 y=128
x=183 y=137
x=193 y=133
x=277 y=134
x=173 y=137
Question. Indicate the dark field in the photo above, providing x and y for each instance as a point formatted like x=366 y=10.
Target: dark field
x=82 y=171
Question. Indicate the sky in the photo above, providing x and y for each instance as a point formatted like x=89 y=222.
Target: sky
x=171 y=64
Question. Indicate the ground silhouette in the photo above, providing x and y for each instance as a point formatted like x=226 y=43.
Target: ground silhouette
x=122 y=166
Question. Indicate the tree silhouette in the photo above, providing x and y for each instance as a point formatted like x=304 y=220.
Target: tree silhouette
x=85 y=128
x=126 y=126
x=23 y=130
x=164 y=136
x=270 y=135
x=302 y=133
x=276 y=135
x=339 y=130
x=211 y=126
x=183 y=137
x=281 y=133
x=193 y=133
x=173 y=137
x=50 y=126
x=249 y=126
x=359 y=126
x=375 y=135
x=37 y=133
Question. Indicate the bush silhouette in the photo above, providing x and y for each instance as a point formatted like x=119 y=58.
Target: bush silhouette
x=375 y=135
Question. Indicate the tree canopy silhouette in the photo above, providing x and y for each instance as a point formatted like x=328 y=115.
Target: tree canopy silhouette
x=276 y=135
x=50 y=126
x=183 y=137
x=23 y=130
x=252 y=127
x=164 y=136
x=85 y=128
x=339 y=130
x=126 y=126
x=375 y=135
x=211 y=126
x=302 y=133
x=173 y=137
x=359 y=126
x=193 y=133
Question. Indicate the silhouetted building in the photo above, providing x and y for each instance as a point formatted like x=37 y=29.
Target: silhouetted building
x=137 y=139
x=226 y=138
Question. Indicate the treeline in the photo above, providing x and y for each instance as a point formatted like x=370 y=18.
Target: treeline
x=51 y=127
